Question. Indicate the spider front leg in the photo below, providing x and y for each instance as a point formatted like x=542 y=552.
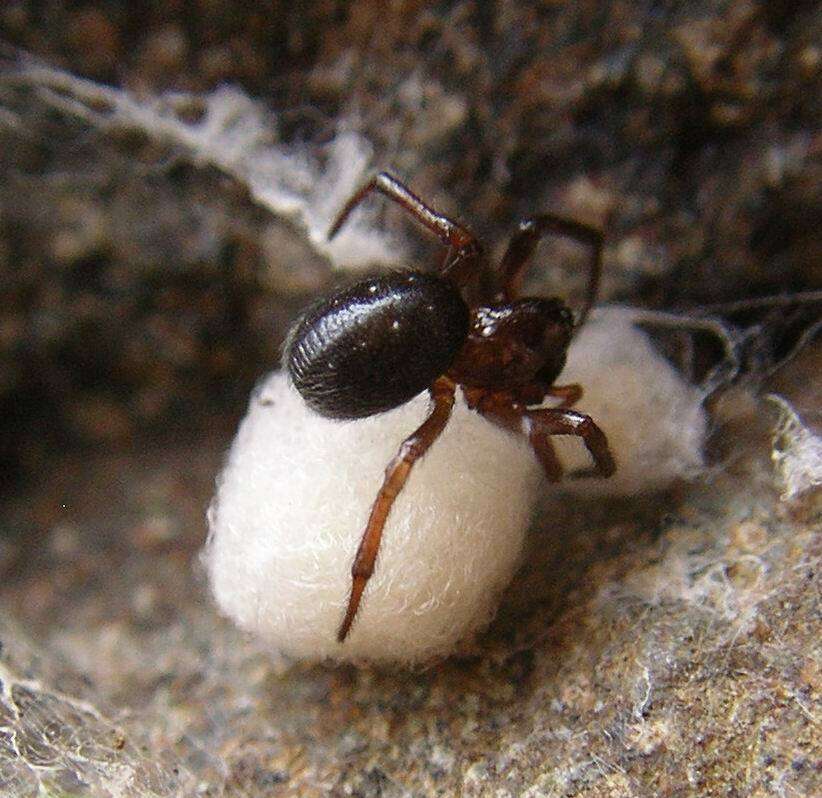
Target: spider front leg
x=524 y=242
x=568 y=394
x=536 y=393
x=396 y=474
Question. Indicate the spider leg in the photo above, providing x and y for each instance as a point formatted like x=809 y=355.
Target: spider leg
x=448 y=231
x=463 y=248
x=536 y=392
x=543 y=423
x=411 y=450
x=569 y=394
x=524 y=242
x=515 y=417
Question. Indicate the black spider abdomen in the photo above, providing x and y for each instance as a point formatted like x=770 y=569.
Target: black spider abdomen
x=375 y=345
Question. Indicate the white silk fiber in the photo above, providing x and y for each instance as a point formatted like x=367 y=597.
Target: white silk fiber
x=293 y=502
x=655 y=421
x=294 y=497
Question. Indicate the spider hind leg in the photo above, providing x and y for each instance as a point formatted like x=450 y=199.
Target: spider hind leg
x=396 y=474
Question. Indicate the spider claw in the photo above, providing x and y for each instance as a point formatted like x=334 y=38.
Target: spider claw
x=357 y=588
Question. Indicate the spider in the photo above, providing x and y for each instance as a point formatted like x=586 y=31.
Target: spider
x=375 y=345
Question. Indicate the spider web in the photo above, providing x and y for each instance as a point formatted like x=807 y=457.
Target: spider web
x=55 y=744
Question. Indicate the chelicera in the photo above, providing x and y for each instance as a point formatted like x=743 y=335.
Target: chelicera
x=375 y=345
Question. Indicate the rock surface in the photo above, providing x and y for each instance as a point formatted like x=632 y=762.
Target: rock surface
x=659 y=646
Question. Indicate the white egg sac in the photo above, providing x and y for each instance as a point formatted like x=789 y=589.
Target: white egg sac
x=655 y=421
x=293 y=502
x=295 y=494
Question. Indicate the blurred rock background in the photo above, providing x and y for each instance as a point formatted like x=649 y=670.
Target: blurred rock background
x=144 y=287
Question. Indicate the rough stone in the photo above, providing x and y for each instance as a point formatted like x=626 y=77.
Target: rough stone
x=670 y=650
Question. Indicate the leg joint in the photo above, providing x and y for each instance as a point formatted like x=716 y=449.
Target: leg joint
x=362 y=570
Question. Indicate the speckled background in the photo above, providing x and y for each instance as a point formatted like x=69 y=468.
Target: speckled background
x=663 y=646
